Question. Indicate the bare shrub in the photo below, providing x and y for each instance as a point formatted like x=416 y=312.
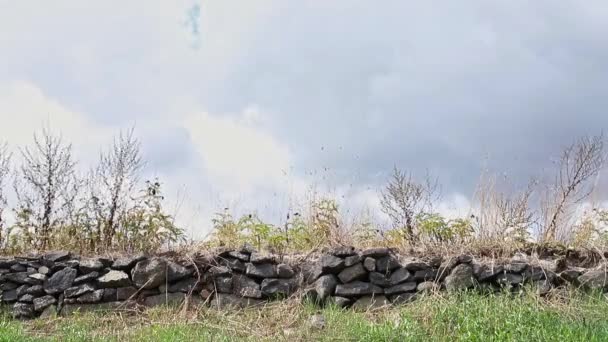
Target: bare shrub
x=45 y=185
x=5 y=159
x=403 y=199
x=578 y=165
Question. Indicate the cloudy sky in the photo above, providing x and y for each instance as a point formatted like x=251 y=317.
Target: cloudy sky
x=246 y=103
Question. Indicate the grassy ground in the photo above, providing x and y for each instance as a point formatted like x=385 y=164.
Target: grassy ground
x=463 y=317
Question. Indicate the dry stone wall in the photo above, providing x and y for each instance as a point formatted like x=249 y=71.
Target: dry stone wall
x=62 y=283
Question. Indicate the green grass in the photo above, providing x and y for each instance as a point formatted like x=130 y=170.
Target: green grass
x=463 y=317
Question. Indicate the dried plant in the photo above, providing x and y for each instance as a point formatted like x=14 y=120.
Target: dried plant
x=5 y=160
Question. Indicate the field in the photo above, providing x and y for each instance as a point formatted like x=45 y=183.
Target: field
x=437 y=317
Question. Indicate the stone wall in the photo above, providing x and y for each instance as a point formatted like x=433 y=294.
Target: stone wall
x=60 y=282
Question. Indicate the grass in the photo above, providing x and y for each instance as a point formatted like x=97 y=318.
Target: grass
x=440 y=317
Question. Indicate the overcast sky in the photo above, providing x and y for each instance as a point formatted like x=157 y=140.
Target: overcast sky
x=246 y=103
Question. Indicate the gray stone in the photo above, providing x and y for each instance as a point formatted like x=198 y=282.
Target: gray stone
x=21 y=290
x=331 y=264
x=401 y=288
x=90 y=265
x=229 y=301
x=21 y=278
x=43 y=302
x=23 y=310
x=109 y=295
x=343 y=251
x=399 y=276
x=44 y=270
x=487 y=272
x=427 y=286
x=126 y=263
x=413 y=264
x=352 y=260
x=78 y=290
x=375 y=252
x=428 y=274
x=516 y=267
x=36 y=290
x=510 y=279
x=222 y=285
x=91 y=297
x=386 y=264
x=124 y=293
x=239 y=255
x=325 y=286
x=86 y=278
x=18 y=268
x=370 y=302
x=38 y=276
x=149 y=273
x=357 y=288
x=245 y=287
x=186 y=285
x=176 y=272
x=285 y=271
x=370 y=264
x=171 y=299
x=7 y=285
x=56 y=256
x=259 y=258
x=9 y=296
x=7 y=263
x=379 y=279
x=234 y=264
x=49 y=312
x=543 y=287
x=277 y=287
x=60 y=281
x=341 y=302
x=596 y=279
x=219 y=271
x=114 y=279
x=61 y=265
x=317 y=322
x=352 y=273
x=261 y=270
x=461 y=278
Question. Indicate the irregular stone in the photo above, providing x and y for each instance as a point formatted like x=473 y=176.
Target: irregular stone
x=543 y=287
x=9 y=296
x=355 y=272
x=487 y=272
x=516 y=267
x=259 y=258
x=234 y=264
x=49 y=312
x=61 y=265
x=114 y=279
x=317 y=322
x=413 y=264
x=245 y=287
x=44 y=270
x=60 y=281
x=239 y=255
x=370 y=302
x=23 y=310
x=331 y=264
x=277 y=287
x=229 y=301
x=461 y=278
x=56 y=256
x=285 y=271
x=86 y=278
x=171 y=299
x=43 y=302
x=261 y=270
x=21 y=278
x=126 y=263
x=341 y=302
x=124 y=293
x=91 y=297
x=325 y=286
x=176 y=272
x=21 y=290
x=357 y=288
x=7 y=263
x=571 y=274
x=403 y=298
x=222 y=285
x=399 y=276
x=186 y=285
x=370 y=264
x=7 y=285
x=379 y=279
x=428 y=274
x=375 y=252
x=352 y=260
x=427 y=286
x=109 y=295
x=90 y=265
x=386 y=264
x=311 y=271
x=343 y=251
x=149 y=273
x=38 y=276
x=220 y=271
x=465 y=259
x=79 y=290
x=596 y=279
x=36 y=290
x=510 y=279
x=401 y=288
x=18 y=268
